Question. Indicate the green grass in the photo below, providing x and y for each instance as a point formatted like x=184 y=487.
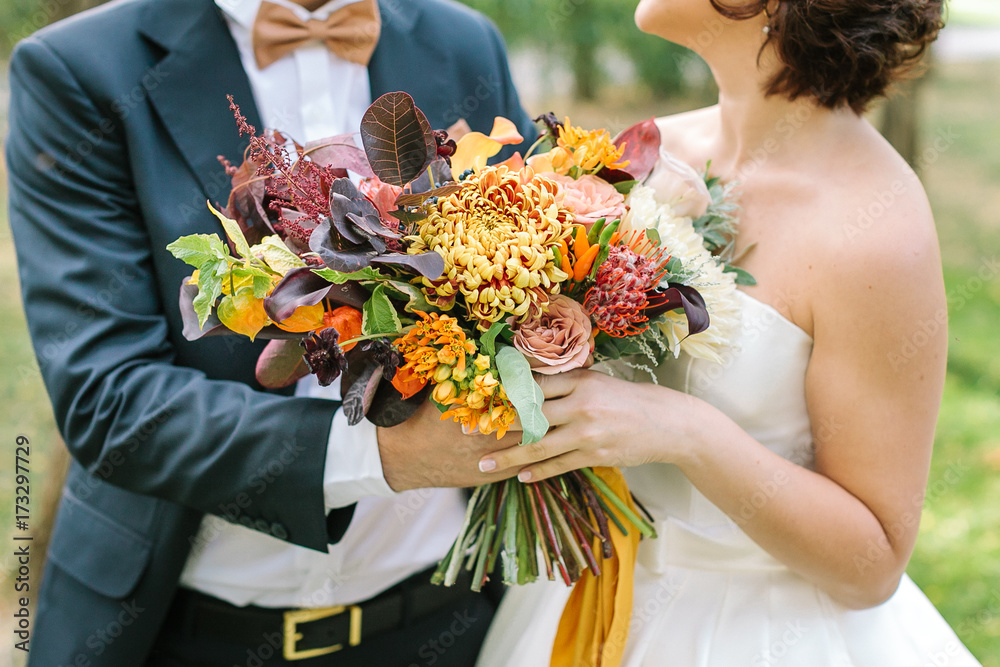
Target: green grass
x=957 y=560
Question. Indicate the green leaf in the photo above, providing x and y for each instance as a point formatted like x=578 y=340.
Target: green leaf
x=277 y=255
x=416 y=299
x=488 y=340
x=234 y=233
x=209 y=289
x=379 y=316
x=523 y=392
x=653 y=235
x=743 y=277
x=625 y=187
x=338 y=278
x=199 y=249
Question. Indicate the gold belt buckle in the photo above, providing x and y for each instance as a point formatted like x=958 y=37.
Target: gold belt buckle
x=296 y=616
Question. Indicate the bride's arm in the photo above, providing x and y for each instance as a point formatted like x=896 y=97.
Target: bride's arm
x=873 y=389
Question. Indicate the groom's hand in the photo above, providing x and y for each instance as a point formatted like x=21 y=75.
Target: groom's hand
x=427 y=451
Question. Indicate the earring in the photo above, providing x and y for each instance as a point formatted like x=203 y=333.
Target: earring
x=767 y=28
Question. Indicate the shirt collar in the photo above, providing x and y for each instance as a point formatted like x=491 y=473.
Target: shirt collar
x=244 y=12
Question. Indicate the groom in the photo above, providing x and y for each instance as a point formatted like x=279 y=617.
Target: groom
x=205 y=521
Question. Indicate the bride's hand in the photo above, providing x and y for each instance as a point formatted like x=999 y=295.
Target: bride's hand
x=597 y=420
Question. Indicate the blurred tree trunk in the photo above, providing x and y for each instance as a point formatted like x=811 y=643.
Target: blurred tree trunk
x=583 y=42
x=69 y=7
x=902 y=115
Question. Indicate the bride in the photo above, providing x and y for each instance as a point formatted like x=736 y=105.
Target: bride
x=787 y=483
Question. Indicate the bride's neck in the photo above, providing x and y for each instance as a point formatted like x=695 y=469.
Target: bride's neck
x=754 y=126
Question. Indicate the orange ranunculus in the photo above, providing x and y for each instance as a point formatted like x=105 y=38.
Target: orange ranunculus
x=347 y=322
x=305 y=318
x=407 y=382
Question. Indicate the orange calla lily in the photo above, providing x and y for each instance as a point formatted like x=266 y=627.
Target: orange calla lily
x=347 y=322
x=515 y=162
x=475 y=148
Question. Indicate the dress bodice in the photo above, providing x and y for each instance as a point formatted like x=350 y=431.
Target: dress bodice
x=760 y=384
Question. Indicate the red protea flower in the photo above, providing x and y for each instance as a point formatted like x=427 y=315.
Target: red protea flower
x=623 y=286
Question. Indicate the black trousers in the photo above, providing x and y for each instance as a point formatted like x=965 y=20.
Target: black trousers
x=450 y=637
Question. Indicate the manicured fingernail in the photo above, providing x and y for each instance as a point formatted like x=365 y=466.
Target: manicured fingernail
x=524 y=475
x=487 y=465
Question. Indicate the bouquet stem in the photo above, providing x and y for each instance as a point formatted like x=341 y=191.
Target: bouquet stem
x=564 y=518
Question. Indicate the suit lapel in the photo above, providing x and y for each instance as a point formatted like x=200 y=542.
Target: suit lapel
x=200 y=67
x=407 y=60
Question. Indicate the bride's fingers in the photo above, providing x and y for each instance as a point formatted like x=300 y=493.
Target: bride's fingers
x=573 y=460
x=560 y=384
x=553 y=444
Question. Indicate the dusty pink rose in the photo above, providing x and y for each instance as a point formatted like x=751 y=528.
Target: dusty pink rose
x=589 y=198
x=676 y=183
x=559 y=340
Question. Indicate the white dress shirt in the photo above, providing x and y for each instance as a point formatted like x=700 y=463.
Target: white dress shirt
x=311 y=94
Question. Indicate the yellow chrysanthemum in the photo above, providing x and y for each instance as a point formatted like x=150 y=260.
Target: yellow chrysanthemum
x=496 y=236
x=590 y=150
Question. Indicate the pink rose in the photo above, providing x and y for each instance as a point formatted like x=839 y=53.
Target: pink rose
x=680 y=186
x=589 y=198
x=383 y=195
x=558 y=340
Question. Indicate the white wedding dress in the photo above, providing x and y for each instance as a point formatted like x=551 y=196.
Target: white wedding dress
x=705 y=594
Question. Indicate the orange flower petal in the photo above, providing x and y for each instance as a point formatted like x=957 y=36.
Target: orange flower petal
x=515 y=162
x=505 y=132
x=408 y=383
x=305 y=318
x=347 y=322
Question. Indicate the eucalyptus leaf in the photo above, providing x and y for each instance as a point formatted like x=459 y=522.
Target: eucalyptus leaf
x=523 y=392
x=488 y=339
x=743 y=276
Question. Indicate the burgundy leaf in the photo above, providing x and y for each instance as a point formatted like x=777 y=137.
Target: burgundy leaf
x=281 y=364
x=397 y=139
x=389 y=409
x=349 y=207
x=302 y=287
x=358 y=397
x=340 y=152
x=299 y=287
x=428 y=264
x=192 y=330
x=642 y=147
x=613 y=176
x=437 y=174
x=246 y=203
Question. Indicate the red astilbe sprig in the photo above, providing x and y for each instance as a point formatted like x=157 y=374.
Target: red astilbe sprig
x=303 y=186
x=625 y=284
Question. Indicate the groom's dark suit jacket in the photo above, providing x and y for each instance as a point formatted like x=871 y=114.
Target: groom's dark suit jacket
x=116 y=119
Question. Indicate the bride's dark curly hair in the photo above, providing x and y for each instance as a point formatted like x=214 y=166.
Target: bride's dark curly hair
x=842 y=52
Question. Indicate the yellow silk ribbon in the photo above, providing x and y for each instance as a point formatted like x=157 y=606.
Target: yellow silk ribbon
x=594 y=624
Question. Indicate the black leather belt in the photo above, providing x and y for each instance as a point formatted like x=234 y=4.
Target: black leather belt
x=307 y=633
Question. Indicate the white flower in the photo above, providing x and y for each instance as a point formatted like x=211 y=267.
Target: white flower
x=717 y=287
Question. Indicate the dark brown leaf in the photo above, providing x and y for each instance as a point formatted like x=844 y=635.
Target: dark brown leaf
x=397 y=139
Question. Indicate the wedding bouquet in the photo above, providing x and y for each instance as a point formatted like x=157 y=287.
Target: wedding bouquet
x=413 y=271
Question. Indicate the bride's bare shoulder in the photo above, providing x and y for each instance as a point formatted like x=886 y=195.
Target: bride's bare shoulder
x=687 y=134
